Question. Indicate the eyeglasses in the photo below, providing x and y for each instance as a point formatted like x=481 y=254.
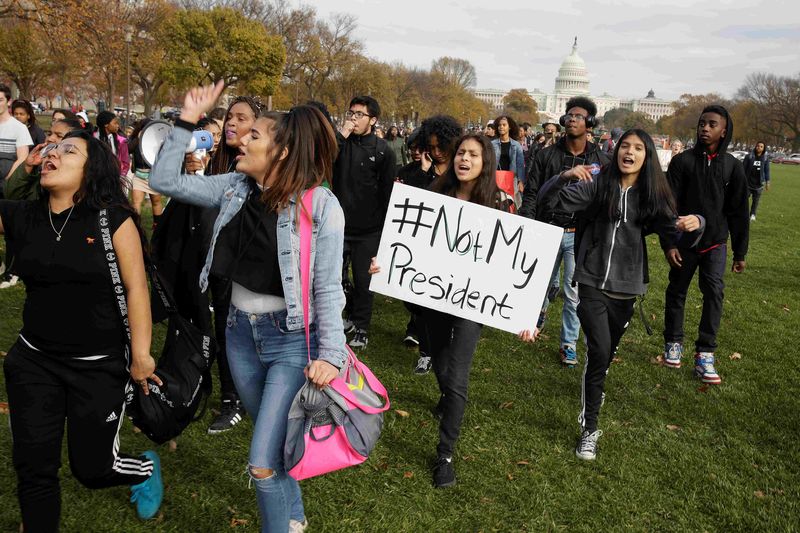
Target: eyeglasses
x=575 y=117
x=358 y=114
x=61 y=149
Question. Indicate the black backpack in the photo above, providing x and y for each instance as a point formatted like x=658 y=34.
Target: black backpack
x=184 y=365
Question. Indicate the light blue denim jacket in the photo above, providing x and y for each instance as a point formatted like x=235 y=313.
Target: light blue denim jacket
x=229 y=192
x=517 y=157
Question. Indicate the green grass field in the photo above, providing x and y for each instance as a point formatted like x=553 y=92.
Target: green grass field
x=675 y=456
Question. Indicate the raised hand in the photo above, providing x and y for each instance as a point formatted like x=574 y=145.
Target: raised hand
x=200 y=100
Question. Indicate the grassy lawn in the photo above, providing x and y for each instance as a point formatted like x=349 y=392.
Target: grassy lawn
x=675 y=456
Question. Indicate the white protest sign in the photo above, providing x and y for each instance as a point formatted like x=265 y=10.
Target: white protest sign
x=464 y=259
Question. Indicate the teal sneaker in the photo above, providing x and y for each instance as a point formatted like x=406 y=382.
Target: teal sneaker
x=568 y=356
x=148 y=494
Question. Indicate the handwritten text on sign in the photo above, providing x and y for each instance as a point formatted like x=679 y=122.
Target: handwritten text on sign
x=460 y=258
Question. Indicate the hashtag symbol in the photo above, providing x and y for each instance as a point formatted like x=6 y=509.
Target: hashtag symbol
x=408 y=216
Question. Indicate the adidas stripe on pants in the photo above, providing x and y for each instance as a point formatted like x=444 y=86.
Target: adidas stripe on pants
x=44 y=390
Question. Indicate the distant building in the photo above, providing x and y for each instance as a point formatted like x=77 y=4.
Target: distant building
x=573 y=80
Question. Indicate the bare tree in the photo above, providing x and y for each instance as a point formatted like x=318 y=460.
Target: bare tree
x=778 y=99
x=457 y=71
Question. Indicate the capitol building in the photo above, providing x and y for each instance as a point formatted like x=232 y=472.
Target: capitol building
x=573 y=80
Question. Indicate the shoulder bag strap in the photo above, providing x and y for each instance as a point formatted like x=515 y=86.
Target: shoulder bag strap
x=305 y=258
x=113 y=268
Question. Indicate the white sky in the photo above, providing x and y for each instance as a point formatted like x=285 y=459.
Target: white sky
x=629 y=46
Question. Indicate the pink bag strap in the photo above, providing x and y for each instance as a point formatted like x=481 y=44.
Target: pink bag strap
x=305 y=273
x=305 y=258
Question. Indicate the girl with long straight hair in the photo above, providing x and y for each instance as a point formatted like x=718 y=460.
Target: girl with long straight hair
x=453 y=340
x=616 y=207
x=255 y=243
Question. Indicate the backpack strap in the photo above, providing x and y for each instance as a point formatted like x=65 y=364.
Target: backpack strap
x=114 y=271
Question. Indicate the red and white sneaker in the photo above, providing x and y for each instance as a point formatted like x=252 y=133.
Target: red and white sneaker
x=672 y=354
x=704 y=368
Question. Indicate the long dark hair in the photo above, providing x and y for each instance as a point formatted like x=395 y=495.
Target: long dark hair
x=225 y=155
x=310 y=144
x=485 y=191
x=102 y=187
x=655 y=196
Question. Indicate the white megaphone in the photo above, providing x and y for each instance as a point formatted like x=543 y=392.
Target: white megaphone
x=152 y=137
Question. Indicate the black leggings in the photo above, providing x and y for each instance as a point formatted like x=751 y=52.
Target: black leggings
x=44 y=390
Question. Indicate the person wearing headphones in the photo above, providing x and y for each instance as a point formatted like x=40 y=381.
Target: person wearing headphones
x=571 y=150
x=363 y=177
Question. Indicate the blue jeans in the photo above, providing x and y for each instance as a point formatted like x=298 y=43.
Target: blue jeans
x=267 y=362
x=570 y=325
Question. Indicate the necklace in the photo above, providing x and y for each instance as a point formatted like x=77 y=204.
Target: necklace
x=50 y=216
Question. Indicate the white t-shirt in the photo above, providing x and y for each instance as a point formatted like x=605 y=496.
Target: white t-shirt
x=13 y=134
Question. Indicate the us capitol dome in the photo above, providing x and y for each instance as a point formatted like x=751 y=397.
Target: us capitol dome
x=573 y=80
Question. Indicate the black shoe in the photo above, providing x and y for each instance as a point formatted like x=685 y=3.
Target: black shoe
x=423 y=364
x=411 y=341
x=444 y=475
x=359 y=339
x=231 y=414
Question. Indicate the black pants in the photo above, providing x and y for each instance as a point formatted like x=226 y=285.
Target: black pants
x=43 y=391
x=453 y=342
x=712 y=268
x=755 y=195
x=220 y=289
x=359 y=250
x=603 y=320
x=417 y=327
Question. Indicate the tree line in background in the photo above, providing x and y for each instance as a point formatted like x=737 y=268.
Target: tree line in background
x=78 y=50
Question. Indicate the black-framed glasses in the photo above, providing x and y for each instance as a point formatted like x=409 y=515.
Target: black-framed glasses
x=61 y=149
x=357 y=114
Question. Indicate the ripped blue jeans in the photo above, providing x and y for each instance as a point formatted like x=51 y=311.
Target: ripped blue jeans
x=267 y=362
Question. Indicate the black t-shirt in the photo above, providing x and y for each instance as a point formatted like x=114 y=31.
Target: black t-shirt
x=70 y=307
x=247 y=248
x=505 y=156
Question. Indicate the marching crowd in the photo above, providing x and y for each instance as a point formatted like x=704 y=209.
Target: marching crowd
x=228 y=243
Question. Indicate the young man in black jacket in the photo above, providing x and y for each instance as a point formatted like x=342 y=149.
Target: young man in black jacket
x=708 y=181
x=756 y=170
x=363 y=176
x=573 y=149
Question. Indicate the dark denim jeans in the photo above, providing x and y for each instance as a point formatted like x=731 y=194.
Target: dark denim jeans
x=453 y=342
x=711 y=265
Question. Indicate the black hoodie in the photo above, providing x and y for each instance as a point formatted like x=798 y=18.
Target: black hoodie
x=714 y=186
x=363 y=177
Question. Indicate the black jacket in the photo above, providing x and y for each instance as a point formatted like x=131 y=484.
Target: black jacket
x=714 y=186
x=756 y=169
x=412 y=174
x=363 y=176
x=547 y=163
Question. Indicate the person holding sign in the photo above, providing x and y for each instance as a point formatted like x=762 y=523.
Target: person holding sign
x=255 y=244
x=453 y=340
x=616 y=209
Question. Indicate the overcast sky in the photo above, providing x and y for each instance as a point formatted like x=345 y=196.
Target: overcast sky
x=629 y=46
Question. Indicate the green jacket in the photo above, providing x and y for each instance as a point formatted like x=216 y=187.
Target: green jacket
x=23 y=186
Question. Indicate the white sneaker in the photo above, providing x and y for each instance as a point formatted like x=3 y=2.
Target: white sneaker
x=752 y=218
x=295 y=526
x=587 y=445
x=10 y=282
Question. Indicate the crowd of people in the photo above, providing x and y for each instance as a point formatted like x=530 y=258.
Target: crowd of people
x=227 y=243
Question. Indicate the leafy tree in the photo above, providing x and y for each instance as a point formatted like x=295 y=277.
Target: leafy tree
x=614 y=117
x=221 y=44
x=519 y=104
x=682 y=124
x=24 y=56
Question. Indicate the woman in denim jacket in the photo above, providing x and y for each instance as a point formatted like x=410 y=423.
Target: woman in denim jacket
x=256 y=243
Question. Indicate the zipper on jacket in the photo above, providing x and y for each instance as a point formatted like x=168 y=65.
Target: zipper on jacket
x=623 y=206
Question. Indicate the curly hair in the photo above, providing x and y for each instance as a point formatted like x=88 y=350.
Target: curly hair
x=447 y=131
x=26 y=105
x=585 y=103
x=513 y=128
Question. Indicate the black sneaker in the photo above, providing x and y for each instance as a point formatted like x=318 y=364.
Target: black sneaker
x=423 y=364
x=411 y=341
x=231 y=414
x=348 y=325
x=359 y=340
x=444 y=475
